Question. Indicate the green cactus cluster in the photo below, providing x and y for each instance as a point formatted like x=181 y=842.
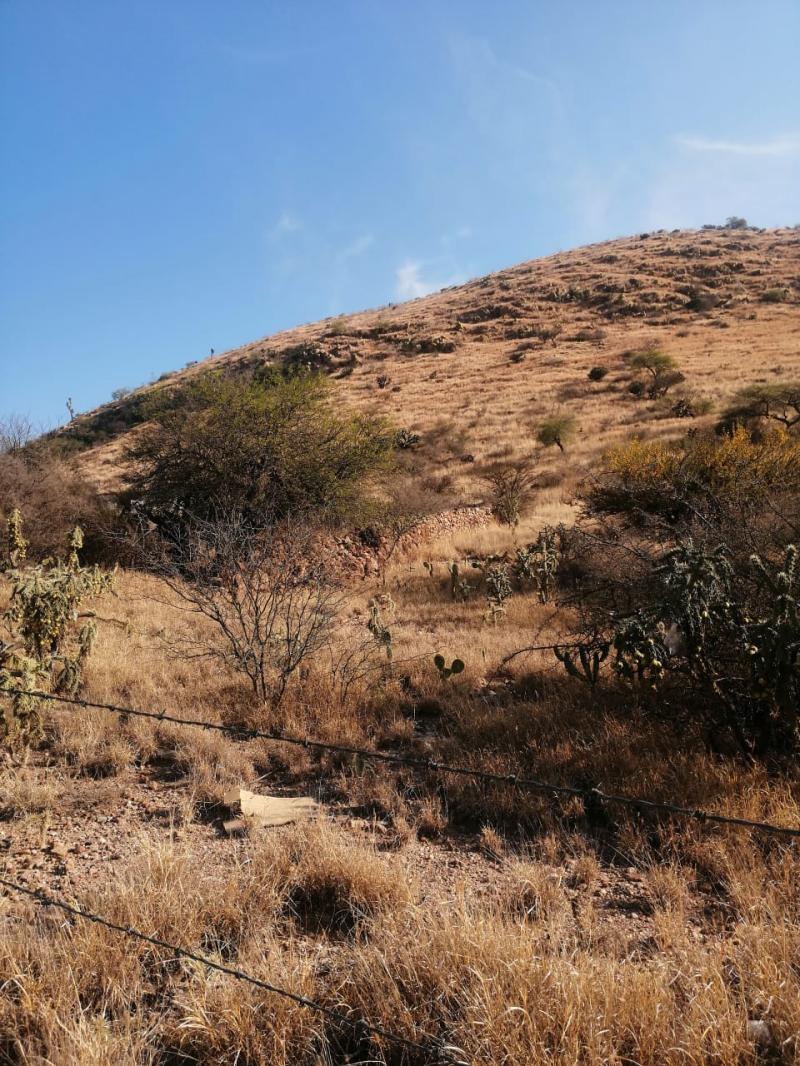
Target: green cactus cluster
x=703 y=623
x=498 y=589
x=50 y=636
x=773 y=641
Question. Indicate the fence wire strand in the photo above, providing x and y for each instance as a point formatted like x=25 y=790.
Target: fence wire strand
x=553 y=790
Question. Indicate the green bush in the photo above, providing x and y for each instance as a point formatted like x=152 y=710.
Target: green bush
x=558 y=430
x=260 y=449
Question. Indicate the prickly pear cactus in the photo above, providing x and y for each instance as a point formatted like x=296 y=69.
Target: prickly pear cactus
x=445 y=671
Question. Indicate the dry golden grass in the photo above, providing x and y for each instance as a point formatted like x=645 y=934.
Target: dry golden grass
x=531 y=959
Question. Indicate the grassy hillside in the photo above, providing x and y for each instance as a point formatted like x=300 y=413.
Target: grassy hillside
x=518 y=926
x=475 y=368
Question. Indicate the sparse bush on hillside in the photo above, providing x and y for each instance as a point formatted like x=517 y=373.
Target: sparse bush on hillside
x=661 y=368
x=54 y=498
x=262 y=450
x=736 y=222
x=120 y=393
x=597 y=373
x=768 y=403
x=511 y=490
x=775 y=296
x=266 y=591
x=16 y=432
x=558 y=430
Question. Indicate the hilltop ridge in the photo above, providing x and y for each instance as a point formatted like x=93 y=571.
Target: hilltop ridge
x=473 y=367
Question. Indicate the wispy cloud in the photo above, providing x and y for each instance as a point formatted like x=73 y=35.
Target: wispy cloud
x=786 y=145
x=287 y=223
x=409 y=282
x=358 y=246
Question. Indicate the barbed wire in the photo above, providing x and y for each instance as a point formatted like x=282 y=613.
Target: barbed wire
x=445 y=1053
x=587 y=795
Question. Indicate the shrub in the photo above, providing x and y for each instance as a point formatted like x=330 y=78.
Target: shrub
x=692 y=590
x=769 y=403
x=260 y=449
x=558 y=430
x=660 y=366
x=55 y=498
x=775 y=296
x=16 y=432
x=265 y=592
x=597 y=373
x=736 y=222
x=511 y=490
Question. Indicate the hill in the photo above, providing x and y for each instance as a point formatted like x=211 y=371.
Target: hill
x=473 y=369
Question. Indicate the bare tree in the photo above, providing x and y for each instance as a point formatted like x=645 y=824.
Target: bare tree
x=15 y=432
x=266 y=592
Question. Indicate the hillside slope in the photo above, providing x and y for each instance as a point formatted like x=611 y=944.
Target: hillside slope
x=473 y=368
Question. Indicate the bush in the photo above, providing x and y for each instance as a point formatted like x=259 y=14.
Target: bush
x=558 y=430
x=775 y=296
x=259 y=449
x=661 y=367
x=765 y=403
x=511 y=490
x=54 y=498
x=692 y=591
x=597 y=373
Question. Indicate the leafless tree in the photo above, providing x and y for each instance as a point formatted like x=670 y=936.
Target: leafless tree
x=266 y=592
x=15 y=432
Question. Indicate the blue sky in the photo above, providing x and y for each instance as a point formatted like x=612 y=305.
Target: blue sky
x=185 y=174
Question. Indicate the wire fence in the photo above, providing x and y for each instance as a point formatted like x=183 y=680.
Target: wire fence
x=432 y=1047
x=589 y=796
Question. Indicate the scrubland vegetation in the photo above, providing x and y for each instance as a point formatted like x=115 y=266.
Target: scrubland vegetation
x=628 y=624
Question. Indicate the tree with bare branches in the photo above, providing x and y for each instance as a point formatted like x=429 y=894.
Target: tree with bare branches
x=264 y=597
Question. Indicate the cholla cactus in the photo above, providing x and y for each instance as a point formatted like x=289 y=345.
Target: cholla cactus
x=51 y=637
x=16 y=545
x=539 y=562
x=773 y=642
x=459 y=589
x=498 y=590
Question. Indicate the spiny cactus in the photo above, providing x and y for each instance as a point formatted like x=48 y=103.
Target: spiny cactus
x=379 y=630
x=16 y=545
x=445 y=672
x=773 y=642
x=51 y=638
x=459 y=588
x=498 y=589
x=586 y=667
x=539 y=562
